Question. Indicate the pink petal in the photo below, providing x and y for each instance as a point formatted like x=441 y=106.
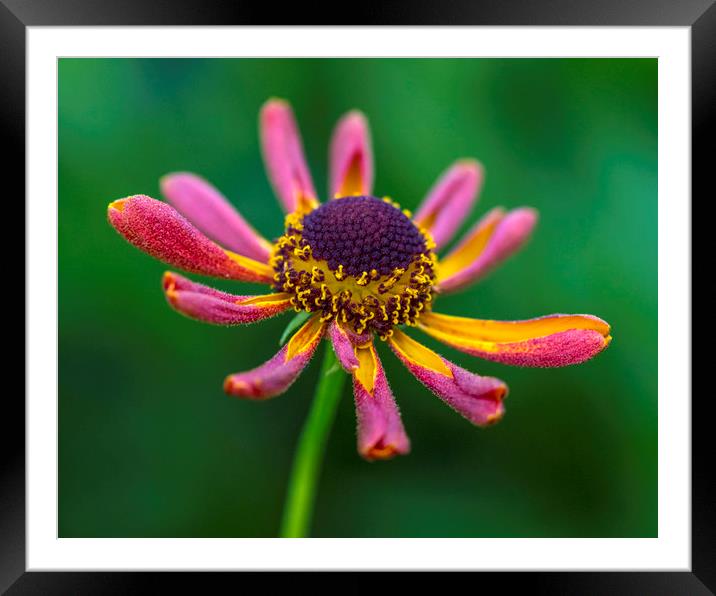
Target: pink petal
x=203 y=303
x=380 y=430
x=157 y=229
x=208 y=210
x=343 y=346
x=508 y=236
x=275 y=376
x=351 y=157
x=550 y=341
x=450 y=200
x=479 y=399
x=283 y=154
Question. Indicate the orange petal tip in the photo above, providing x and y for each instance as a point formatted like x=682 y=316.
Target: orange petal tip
x=117 y=205
x=377 y=453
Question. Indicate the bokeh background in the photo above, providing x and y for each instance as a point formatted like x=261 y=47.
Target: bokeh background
x=149 y=445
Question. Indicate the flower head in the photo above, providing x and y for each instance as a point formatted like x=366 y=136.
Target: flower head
x=362 y=268
x=359 y=260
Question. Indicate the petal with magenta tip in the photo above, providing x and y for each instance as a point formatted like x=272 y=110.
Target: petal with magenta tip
x=276 y=375
x=283 y=154
x=207 y=304
x=549 y=341
x=449 y=201
x=380 y=430
x=477 y=398
x=493 y=239
x=159 y=230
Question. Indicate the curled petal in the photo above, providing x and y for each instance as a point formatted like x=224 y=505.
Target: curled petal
x=450 y=200
x=549 y=341
x=491 y=241
x=203 y=303
x=380 y=430
x=283 y=154
x=479 y=399
x=351 y=157
x=208 y=210
x=343 y=346
x=157 y=229
x=275 y=376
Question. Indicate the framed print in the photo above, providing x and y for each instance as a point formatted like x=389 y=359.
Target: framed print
x=406 y=294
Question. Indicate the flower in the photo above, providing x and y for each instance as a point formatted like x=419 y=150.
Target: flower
x=361 y=268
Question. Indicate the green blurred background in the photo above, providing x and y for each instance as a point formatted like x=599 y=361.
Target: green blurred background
x=149 y=445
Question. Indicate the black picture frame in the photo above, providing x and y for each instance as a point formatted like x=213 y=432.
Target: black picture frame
x=17 y=15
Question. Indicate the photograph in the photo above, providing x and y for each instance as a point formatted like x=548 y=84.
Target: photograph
x=357 y=297
x=409 y=294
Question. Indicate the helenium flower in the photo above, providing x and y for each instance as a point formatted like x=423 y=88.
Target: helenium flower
x=362 y=268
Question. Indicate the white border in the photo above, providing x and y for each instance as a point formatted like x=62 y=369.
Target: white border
x=671 y=550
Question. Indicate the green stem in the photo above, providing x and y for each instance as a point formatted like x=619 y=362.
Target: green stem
x=298 y=508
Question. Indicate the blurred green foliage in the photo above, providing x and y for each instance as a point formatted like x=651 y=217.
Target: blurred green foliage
x=148 y=443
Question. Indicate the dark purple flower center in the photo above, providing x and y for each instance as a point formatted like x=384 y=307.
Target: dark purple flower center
x=362 y=233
